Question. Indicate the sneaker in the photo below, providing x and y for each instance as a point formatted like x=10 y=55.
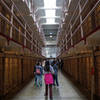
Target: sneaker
x=45 y=95
x=51 y=98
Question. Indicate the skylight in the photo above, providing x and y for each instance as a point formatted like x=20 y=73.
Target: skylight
x=49 y=3
x=50 y=13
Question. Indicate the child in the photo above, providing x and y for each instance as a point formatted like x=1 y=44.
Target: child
x=38 y=74
x=48 y=78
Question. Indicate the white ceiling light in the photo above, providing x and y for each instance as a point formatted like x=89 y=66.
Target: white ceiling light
x=50 y=13
x=49 y=3
x=50 y=36
x=50 y=33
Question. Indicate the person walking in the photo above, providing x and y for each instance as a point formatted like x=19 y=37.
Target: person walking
x=55 y=67
x=48 y=79
x=38 y=74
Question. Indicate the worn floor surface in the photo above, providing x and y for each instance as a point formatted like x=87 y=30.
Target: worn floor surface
x=66 y=91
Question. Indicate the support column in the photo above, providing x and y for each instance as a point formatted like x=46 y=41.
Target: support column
x=71 y=35
x=66 y=42
x=32 y=43
x=11 y=29
x=25 y=36
x=93 y=73
x=80 y=9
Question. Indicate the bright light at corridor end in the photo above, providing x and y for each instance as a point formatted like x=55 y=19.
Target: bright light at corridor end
x=50 y=36
x=50 y=13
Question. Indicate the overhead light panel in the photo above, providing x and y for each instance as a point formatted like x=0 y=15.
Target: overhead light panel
x=49 y=3
x=50 y=36
x=51 y=12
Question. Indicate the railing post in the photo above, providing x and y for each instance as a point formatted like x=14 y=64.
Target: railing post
x=93 y=73
x=32 y=42
x=25 y=36
x=80 y=9
x=11 y=29
x=66 y=42
x=71 y=35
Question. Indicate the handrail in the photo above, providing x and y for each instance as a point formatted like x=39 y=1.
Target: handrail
x=12 y=13
x=21 y=15
x=84 y=5
x=83 y=19
x=13 y=26
x=73 y=14
x=16 y=17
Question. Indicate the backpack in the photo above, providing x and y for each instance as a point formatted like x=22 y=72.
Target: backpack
x=48 y=78
x=38 y=71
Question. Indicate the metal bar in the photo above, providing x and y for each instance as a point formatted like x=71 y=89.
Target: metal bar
x=93 y=75
x=5 y=18
x=12 y=25
x=11 y=29
x=21 y=15
x=73 y=14
x=16 y=19
x=81 y=20
x=84 y=5
x=86 y=17
x=42 y=8
x=25 y=36
x=71 y=34
x=91 y=11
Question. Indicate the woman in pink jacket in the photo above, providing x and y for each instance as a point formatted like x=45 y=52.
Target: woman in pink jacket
x=48 y=78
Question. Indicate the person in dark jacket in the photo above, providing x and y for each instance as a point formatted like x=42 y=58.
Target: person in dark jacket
x=55 y=67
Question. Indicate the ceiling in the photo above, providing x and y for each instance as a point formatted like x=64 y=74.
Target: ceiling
x=50 y=29
x=41 y=18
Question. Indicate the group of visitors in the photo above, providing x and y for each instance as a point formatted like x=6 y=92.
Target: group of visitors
x=50 y=72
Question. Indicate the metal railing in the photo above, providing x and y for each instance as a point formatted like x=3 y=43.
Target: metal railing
x=25 y=29
x=80 y=26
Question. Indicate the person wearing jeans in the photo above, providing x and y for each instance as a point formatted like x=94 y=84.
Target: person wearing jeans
x=55 y=67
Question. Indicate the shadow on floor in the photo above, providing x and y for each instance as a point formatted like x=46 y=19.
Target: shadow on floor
x=56 y=94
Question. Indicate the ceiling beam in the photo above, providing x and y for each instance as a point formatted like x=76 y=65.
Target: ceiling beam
x=43 y=8
x=47 y=35
x=49 y=24
x=55 y=17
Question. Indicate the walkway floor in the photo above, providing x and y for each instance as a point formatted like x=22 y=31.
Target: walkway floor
x=66 y=91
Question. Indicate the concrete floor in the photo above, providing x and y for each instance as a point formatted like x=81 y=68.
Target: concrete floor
x=66 y=91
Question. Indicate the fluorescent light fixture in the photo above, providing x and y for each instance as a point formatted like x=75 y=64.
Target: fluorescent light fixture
x=50 y=33
x=50 y=21
x=50 y=36
x=49 y=3
x=50 y=13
